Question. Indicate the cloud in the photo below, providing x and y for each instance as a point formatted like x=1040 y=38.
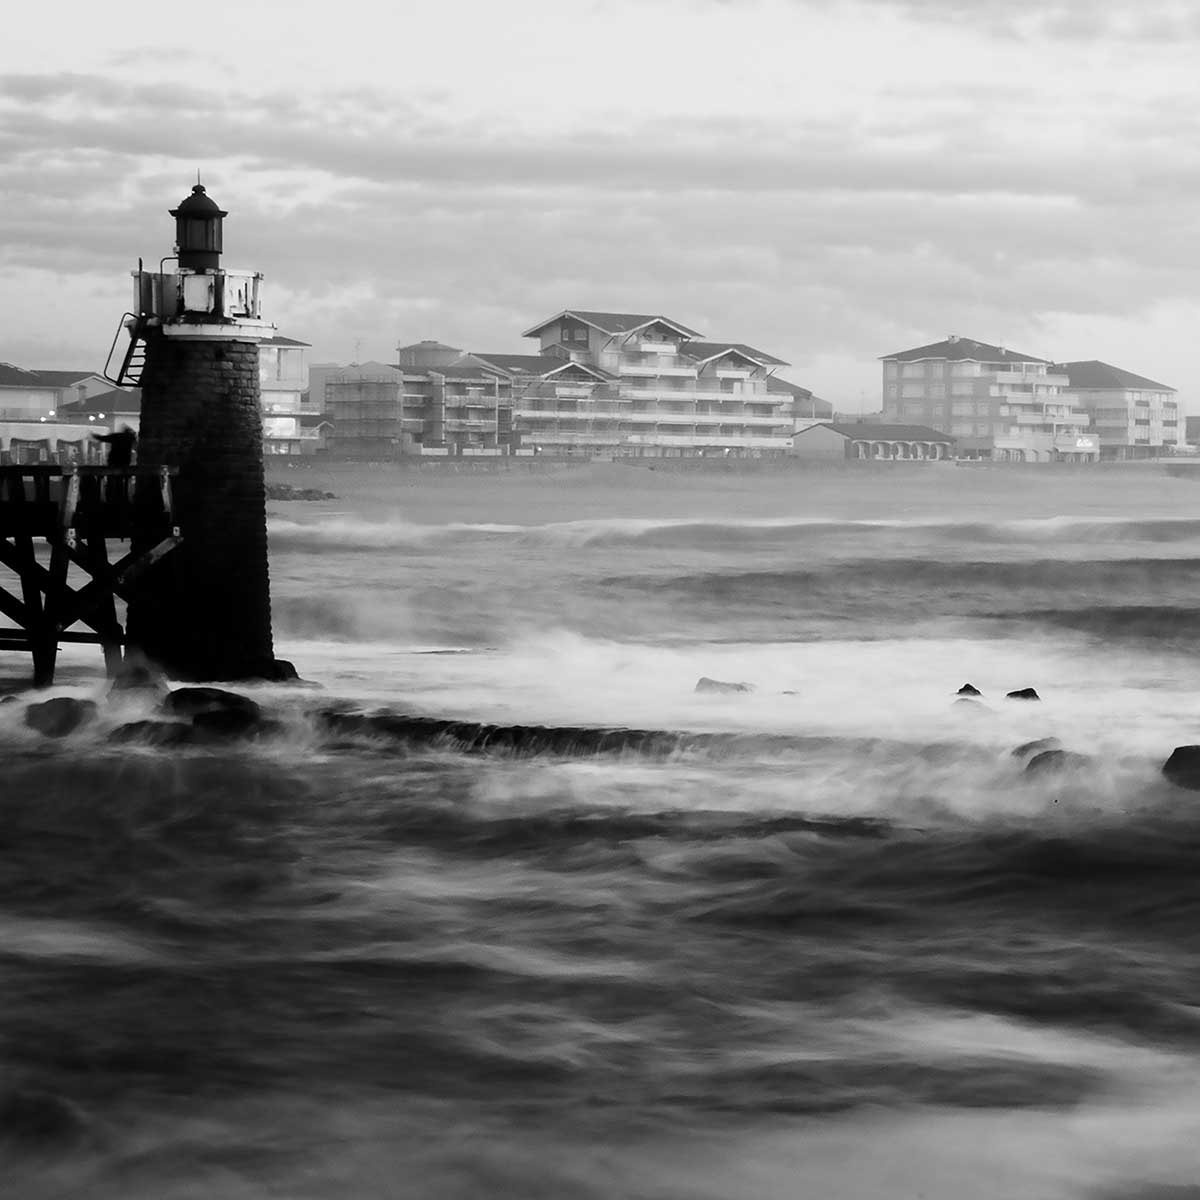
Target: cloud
x=811 y=235
x=1062 y=20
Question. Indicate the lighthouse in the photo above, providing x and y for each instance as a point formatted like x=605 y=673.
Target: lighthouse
x=204 y=611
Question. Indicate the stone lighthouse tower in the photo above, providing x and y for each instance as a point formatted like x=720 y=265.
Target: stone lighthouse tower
x=204 y=611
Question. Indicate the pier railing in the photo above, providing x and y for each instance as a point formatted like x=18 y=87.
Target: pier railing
x=48 y=500
x=77 y=510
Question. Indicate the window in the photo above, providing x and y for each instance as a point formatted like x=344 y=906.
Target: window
x=963 y=388
x=891 y=370
x=983 y=430
x=937 y=390
x=893 y=389
x=913 y=371
x=912 y=390
x=936 y=369
x=939 y=410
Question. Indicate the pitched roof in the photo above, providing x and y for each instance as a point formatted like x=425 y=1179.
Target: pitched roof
x=608 y=322
x=885 y=433
x=428 y=344
x=960 y=349
x=520 y=364
x=277 y=340
x=1092 y=373
x=13 y=376
x=703 y=351
x=775 y=384
x=117 y=400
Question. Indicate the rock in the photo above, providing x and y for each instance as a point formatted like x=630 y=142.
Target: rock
x=1022 y=694
x=1183 y=767
x=1029 y=749
x=970 y=704
x=968 y=689
x=31 y=1116
x=155 y=733
x=60 y=716
x=285 y=491
x=190 y=701
x=1055 y=760
x=720 y=686
x=137 y=678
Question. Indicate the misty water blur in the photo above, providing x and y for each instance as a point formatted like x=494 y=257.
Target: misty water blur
x=822 y=938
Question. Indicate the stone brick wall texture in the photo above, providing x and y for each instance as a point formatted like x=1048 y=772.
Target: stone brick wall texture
x=204 y=611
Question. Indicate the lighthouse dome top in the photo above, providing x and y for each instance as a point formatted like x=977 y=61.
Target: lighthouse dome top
x=198 y=204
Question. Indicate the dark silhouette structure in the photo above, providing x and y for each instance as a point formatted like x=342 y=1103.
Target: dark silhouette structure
x=204 y=612
x=120 y=446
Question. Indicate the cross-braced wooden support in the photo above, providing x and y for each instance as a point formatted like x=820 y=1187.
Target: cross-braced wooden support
x=70 y=514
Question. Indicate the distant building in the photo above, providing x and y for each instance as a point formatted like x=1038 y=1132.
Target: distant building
x=1134 y=417
x=283 y=380
x=834 y=441
x=437 y=402
x=651 y=387
x=31 y=427
x=313 y=402
x=805 y=406
x=995 y=402
x=113 y=408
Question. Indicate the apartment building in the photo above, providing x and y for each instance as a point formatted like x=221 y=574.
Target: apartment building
x=997 y=403
x=283 y=380
x=35 y=425
x=643 y=385
x=1134 y=417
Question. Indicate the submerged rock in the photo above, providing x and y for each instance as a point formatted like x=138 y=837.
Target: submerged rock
x=1022 y=694
x=285 y=491
x=1056 y=760
x=60 y=716
x=139 y=679
x=720 y=686
x=1183 y=767
x=190 y=701
x=968 y=689
x=32 y=1116
x=155 y=733
x=1029 y=749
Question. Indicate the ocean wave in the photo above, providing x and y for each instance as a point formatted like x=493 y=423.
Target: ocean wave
x=350 y=533
x=948 y=586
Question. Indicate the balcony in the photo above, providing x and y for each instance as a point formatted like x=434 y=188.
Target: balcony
x=652 y=347
x=462 y=424
x=1037 y=377
x=747 y=441
x=641 y=369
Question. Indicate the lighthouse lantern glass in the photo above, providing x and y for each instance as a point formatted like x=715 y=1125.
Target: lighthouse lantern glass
x=199 y=234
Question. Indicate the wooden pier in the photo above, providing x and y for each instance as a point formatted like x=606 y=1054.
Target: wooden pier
x=55 y=518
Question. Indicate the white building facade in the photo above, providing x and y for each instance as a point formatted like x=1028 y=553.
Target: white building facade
x=997 y=403
x=646 y=386
x=1134 y=417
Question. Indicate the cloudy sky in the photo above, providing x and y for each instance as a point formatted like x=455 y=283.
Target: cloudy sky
x=831 y=180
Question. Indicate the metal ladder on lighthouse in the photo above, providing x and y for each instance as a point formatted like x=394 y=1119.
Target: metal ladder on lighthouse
x=129 y=374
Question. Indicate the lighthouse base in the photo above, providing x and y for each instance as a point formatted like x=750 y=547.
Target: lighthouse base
x=205 y=613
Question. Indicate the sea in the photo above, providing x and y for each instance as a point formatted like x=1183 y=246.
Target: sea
x=503 y=906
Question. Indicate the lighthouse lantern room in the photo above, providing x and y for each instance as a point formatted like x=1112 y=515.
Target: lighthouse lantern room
x=200 y=298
